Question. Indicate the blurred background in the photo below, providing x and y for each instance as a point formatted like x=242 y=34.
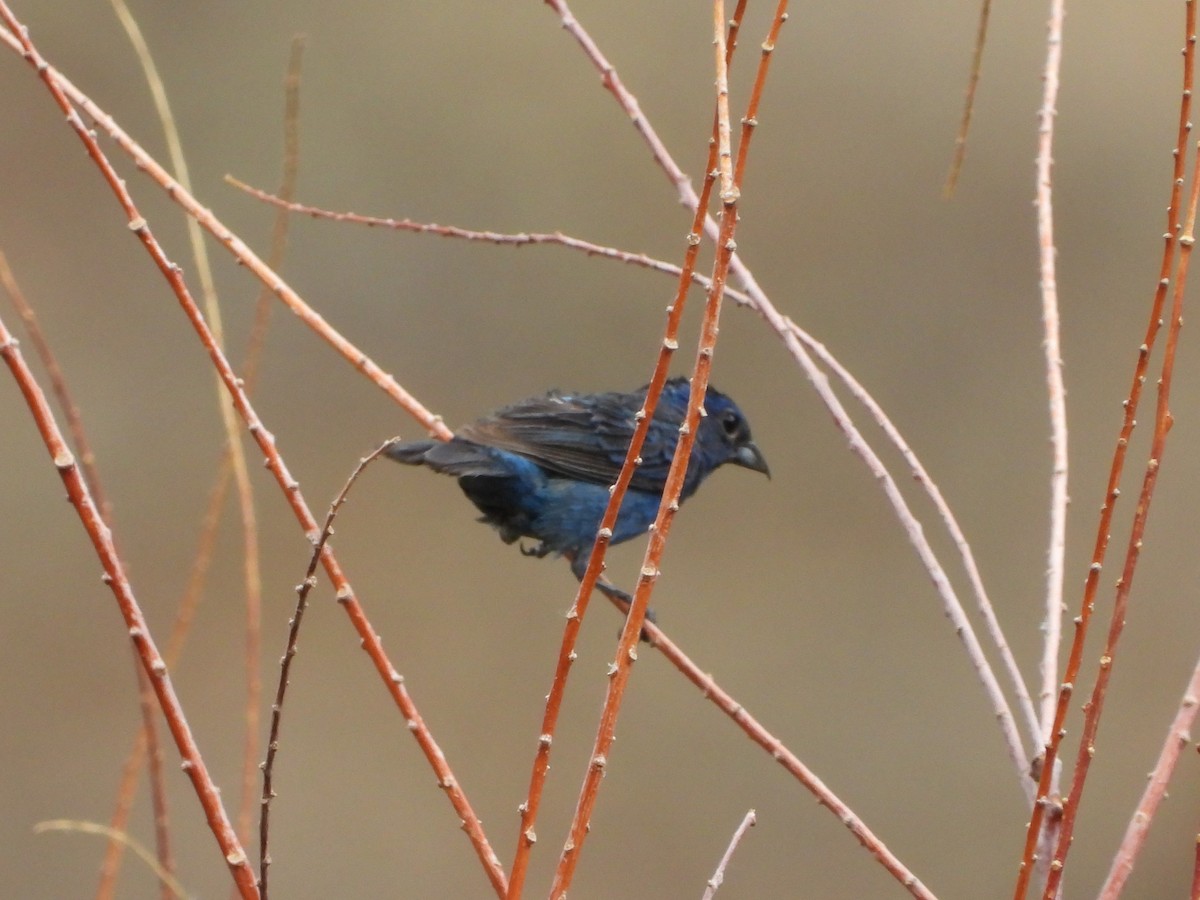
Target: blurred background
x=800 y=594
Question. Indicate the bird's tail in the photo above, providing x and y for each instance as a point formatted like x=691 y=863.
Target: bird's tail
x=454 y=457
x=411 y=453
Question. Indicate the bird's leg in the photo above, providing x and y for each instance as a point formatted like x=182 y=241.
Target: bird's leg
x=624 y=601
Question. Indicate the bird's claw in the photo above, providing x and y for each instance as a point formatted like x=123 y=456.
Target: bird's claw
x=537 y=552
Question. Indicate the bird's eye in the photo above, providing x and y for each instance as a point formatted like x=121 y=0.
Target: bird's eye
x=731 y=422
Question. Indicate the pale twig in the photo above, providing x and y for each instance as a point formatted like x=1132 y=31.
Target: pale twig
x=923 y=478
x=281 y=225
x=155 y=772
x=1178 y=737
x=285 y=664
x=714 y=883
x=1055 y=389
x=1056 y=552
x=68 y=825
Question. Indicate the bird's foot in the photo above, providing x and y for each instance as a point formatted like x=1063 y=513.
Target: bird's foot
x=623 y=599
x=537 y=551
x=610 y=590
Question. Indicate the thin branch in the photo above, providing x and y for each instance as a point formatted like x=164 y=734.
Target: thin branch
x=282 y=223
x=156 y=776
x=964 y=125
x=69 y=825
x=491 y=237
x=714 y=883
x=58 y=384
x=285 y=664
x=184 y=613
x=114 y=576
x=1178 y=737
x=91 y=474
x=779 y=752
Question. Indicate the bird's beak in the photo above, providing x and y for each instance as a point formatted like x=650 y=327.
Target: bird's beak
x=750 y=457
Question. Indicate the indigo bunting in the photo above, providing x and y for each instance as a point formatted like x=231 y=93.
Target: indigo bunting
x=542 y=467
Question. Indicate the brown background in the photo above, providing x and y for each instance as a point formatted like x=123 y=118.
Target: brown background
x=800 y=594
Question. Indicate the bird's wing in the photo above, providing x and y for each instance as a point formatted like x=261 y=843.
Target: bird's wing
x=584 y=437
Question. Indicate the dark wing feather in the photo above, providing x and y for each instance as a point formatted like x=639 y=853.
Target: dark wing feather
x=583 y=436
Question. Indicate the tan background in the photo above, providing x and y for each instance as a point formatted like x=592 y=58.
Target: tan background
x=800 y=594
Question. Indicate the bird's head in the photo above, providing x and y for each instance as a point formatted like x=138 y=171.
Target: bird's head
x=724 y=435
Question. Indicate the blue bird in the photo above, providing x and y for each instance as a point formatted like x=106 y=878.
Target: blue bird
x=542 y=467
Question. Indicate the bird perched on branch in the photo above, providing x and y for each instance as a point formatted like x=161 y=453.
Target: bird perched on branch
x=542 y=467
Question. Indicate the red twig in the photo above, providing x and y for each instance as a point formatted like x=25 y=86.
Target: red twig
x=541 y=764
x=126 y=789
x=782 y=755
x=566 y=656
x=114 y=576
x=1162 y=425
x=148 y=736
x=492 y=237
x=1196 y=872
x=1103 y=530
x=627 y=648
